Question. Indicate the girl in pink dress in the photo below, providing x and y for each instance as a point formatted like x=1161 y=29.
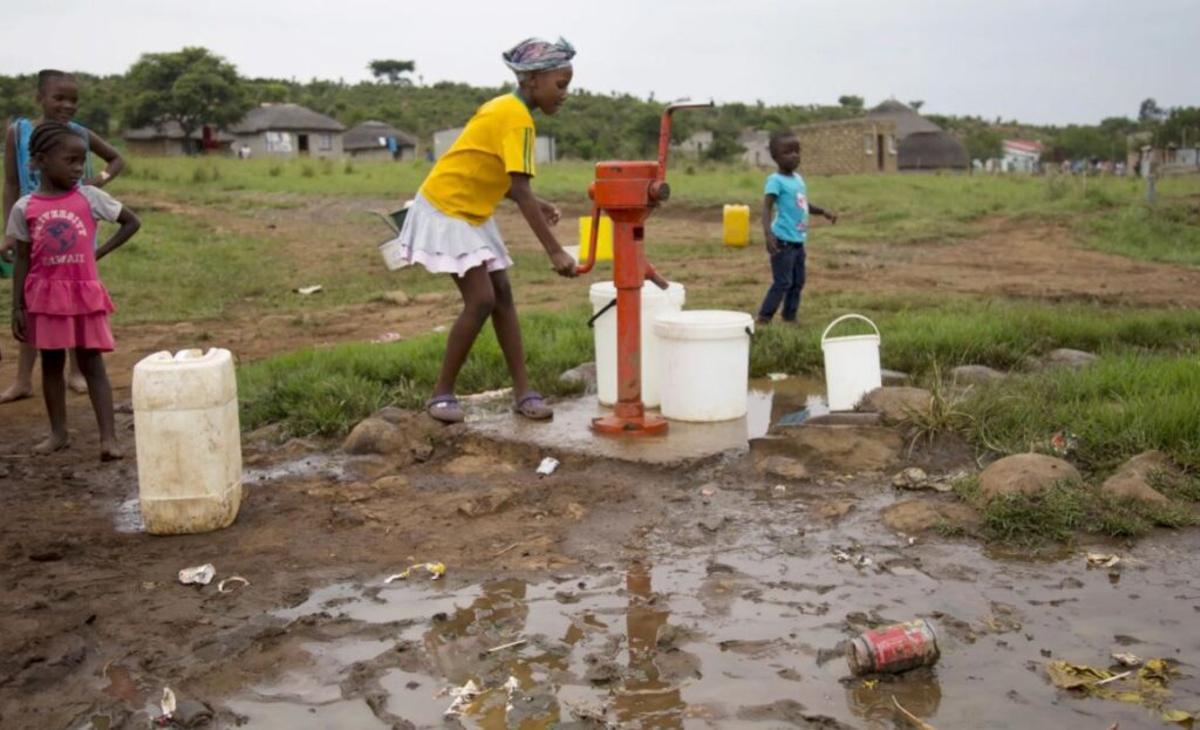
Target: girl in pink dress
x=59 y=303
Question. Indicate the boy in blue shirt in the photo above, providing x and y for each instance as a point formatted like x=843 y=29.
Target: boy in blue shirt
x=785 y=224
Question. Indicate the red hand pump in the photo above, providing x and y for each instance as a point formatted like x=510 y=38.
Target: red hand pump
x=629 y=192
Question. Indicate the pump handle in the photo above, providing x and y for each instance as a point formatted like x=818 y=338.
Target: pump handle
x=590 y=261
x=664 y=135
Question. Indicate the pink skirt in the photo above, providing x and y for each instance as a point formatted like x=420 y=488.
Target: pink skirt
x=68 y=332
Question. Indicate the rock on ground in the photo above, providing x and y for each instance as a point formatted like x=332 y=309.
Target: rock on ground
x=1134 y=477
x=914 y=516
x=840 y=449
x=783 y=467
x=910 y=478
x=1025 y=474
x=975 y=374
x=394 y=432
x=894 y=377
x=897 y=404
x=396 y=297
x=1066 y=357
x=583 y=375
x=374 y=436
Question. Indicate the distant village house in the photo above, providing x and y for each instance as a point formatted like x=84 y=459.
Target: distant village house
x=167 y=140
x=848 y=146
x=922 y=145
x=288 y=130
x=373 y=140
x=841 y=147
x=1021 y=155
x=696 y=144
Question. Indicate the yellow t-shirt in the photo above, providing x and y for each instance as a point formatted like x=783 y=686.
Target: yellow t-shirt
x=471 y=179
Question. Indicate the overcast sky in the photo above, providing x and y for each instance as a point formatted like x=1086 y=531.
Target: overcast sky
x=1042 y=61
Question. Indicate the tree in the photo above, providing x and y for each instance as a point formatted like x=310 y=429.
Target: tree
x=984 y=144
x=850 y=101
x=1182 y=127
x=916 y=104
x=392 y=70
x=1150 y=112
x=192 y=87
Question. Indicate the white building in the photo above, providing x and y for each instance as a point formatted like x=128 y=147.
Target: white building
x=1021 y=155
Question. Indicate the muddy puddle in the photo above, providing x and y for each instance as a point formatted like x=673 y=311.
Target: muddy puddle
x=127 y=516
x=739 y=627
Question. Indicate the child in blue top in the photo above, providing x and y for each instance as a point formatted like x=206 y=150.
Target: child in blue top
x=785 y=224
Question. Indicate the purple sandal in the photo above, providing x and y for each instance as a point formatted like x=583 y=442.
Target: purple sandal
x=533 y=406
x=445 y=408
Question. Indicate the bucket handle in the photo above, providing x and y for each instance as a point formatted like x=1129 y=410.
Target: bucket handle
x=598 y=315
x=839 y=320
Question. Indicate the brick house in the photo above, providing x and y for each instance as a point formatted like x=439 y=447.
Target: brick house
x=848 y=146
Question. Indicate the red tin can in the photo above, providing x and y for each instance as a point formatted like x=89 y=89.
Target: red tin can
x=893 y=649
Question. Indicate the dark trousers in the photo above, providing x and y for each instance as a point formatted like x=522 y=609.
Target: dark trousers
x=787 y=268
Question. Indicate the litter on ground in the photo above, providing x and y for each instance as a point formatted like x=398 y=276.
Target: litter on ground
x=436 y=570
x=200 y=575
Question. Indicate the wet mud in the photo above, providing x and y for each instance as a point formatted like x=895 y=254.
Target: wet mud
x=610 y=594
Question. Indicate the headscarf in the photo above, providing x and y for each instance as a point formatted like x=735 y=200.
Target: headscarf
x=534 y=54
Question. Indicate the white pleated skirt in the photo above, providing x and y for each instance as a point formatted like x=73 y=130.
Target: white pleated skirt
x=448 y=245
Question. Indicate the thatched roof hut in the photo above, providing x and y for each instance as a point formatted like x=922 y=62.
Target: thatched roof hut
x=938 y=150
x=285 y=117
x=923 y=144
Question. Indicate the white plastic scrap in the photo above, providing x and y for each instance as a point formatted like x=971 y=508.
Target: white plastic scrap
x=860 y=560
x=306 y=290
x=435 y=570
x=199 y=575
x=1101 y=560
x=1127 y=660
x=168 y=705
x=548 y=466
x=230 y=581
x=510 y=686
x=463 y=696
x=776 y=377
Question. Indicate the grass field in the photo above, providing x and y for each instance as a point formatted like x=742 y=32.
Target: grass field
x=215 y=265
x=897 y=207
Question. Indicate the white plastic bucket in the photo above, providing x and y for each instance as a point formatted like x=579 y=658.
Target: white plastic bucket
x=189 y=446
x=704 y=364
x=654 y=302
x=851 y=365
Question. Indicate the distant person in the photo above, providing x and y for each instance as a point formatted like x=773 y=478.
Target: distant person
x=450 y=230
x=58 y=96
x=786 y=211
x=59 y=303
